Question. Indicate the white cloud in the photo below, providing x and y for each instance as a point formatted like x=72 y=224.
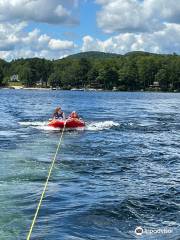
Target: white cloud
x=9 y=35
x=162 y=41
x=47 y=11
x=122 y=15
x=147 y=25
x=15 y=15
x=15 y=43
x=136 y=15
x=165 y=10
x=56 y=44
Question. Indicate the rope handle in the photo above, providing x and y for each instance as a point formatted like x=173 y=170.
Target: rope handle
x=46 y=184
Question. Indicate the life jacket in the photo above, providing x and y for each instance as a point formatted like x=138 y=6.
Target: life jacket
x=58 y=115
x=74 y=115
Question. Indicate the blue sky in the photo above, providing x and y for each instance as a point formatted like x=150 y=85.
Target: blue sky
x=54 y=29
x=86 y=15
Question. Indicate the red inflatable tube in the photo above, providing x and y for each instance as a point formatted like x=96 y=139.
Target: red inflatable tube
x=70 y=123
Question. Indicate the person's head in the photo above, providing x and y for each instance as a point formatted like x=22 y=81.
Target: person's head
x=58 y=109
x=74 y=114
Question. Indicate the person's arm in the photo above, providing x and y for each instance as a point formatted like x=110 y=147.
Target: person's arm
x=64 y=116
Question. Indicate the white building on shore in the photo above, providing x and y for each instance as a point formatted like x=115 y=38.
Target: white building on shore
x=14 y=78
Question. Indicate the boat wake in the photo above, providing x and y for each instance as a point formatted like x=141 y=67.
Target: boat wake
x=91 y=126
x=99 y=126
x=39 y=125
x=33 y=123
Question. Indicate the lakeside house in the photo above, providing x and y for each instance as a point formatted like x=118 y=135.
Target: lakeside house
x=14 y=78
x=39 y=83
x=155 y=86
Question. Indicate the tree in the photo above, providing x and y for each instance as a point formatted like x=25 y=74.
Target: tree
x=133 y=71
x=92 y=76
x=162 y=78
x=1 y=76
x=25 y=75
x=54 y=79
x=147 y=68
x=82 y=70
x=128 y=76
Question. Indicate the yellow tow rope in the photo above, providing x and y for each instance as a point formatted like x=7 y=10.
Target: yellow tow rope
x=46 y=184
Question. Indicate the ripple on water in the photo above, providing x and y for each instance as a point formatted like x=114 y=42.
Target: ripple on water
x=120 y=172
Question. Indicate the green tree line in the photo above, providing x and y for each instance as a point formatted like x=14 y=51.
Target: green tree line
x=130 y=72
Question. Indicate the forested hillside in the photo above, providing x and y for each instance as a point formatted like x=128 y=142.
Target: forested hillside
x=133 y=71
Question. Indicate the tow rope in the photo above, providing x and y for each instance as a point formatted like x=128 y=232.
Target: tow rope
x=46 y=184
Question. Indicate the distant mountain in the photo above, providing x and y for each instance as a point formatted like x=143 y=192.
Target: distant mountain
x=145 y=54
x=139 y=53
x=101 y=55
x=93 y=54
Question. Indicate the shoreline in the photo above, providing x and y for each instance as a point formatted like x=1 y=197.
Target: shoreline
x=83 y=90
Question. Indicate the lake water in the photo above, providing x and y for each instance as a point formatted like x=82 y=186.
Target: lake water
x=120 y=172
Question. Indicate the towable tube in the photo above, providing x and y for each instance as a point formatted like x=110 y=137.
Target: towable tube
x=70 y=123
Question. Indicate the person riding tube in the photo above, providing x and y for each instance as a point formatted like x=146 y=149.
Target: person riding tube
x=74 y=115
x=59 y=114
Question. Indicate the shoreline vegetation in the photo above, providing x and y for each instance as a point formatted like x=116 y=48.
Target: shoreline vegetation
x=95 y=71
